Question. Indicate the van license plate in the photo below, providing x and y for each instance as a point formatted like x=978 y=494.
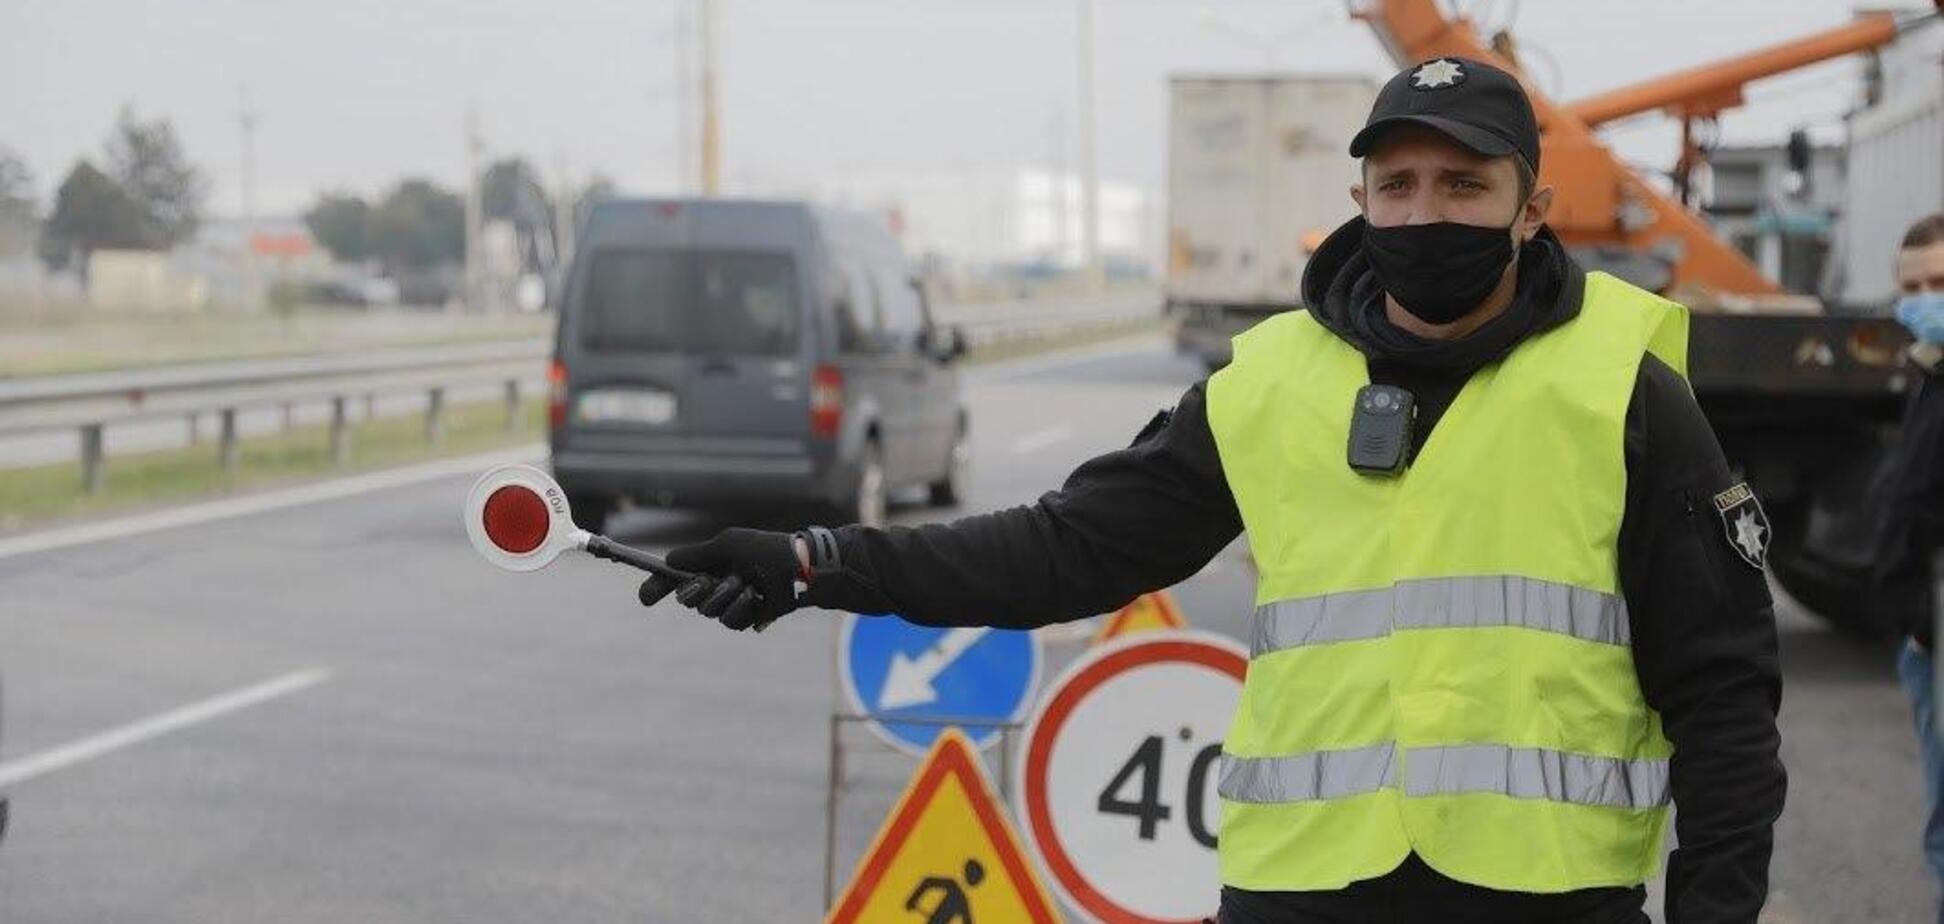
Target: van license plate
x=629 y=406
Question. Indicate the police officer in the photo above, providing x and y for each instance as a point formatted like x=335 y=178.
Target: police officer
x=1498 y=632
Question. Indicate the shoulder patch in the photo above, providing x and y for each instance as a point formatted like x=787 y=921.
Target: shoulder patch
x=1745 y=524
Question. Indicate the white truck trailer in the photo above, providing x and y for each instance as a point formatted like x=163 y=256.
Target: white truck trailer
x=1259 y=171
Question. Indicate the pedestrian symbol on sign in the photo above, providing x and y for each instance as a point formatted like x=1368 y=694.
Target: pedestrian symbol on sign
x=953 y=907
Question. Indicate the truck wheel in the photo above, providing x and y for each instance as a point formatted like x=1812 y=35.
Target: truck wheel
x=1838 y=599
x=590 y=510
x=1841 y=596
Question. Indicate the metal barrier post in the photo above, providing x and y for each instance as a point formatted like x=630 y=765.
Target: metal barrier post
x=513 y=406
x=435 y=416
x=195 y=428
x=830 y=819
x=834 y=791
x=340 y=433
x=92 y=461
x=227 y=450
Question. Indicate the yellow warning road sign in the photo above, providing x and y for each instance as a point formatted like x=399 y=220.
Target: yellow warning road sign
x=946 y=854
x=1149 y=612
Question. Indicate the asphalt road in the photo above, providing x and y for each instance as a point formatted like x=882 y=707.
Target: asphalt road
x=407 y=735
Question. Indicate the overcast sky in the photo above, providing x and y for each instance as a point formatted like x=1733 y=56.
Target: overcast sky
x=356 y=93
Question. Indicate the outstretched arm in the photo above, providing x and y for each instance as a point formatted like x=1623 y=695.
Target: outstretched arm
x=1125 y=523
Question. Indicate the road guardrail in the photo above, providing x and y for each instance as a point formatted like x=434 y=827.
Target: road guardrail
x=88 y=404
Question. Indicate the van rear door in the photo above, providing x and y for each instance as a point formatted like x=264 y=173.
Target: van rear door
x=747 y=385
x=628 y=372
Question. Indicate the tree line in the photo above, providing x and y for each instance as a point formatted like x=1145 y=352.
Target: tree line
x=148 y=194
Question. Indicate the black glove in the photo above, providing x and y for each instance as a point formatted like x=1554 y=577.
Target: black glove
x=744 y=578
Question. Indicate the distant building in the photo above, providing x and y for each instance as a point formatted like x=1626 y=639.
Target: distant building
x=142 y=281
x=1782 y=220
x=980 y=222
x=1895 y=167
x=219 y=256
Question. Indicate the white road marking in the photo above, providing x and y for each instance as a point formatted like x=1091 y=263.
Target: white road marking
x=95 y=746
x=193 y=514
x=1028 y=365
x=1034 y=442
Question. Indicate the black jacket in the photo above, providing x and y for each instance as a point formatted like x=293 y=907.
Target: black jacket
x=1703 y=630
x=1914 y=519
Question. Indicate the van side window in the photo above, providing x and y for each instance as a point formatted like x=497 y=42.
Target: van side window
x=858 y=315
x=904 y=315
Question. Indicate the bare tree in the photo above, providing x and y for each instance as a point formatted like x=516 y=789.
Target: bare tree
x=147 y=161
x=17 y=203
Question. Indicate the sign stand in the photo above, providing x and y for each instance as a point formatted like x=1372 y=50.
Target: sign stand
x=834 y=791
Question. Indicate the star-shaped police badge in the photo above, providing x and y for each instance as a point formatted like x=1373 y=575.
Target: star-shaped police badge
x=1437 y=75
x=1745 y=523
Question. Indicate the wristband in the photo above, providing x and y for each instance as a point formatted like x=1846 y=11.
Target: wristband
x=822 y=544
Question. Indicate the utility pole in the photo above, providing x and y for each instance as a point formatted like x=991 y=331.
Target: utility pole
x=1062 y=188
x=564 y=214
x=711 y=120
x=474 y=285
x=247 y=118
x=684 y=101
x=1090 y=170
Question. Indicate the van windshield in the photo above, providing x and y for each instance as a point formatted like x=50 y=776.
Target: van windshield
x=739 y=302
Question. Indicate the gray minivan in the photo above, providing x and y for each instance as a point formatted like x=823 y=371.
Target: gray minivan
x=717 y=352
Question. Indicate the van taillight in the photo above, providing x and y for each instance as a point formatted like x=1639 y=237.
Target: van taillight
x=826 y=401
x=557 y=395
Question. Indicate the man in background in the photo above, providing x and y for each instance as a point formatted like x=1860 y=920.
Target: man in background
x=1914 y=532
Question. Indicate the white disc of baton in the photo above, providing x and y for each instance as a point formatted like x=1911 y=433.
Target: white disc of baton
x=517 y=518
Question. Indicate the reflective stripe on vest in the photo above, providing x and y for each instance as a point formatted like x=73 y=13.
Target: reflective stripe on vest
x=1522 y=773
x=1441 y=603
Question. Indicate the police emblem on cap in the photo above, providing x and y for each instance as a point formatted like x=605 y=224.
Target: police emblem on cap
x=1747 y=526
x=1437 y=75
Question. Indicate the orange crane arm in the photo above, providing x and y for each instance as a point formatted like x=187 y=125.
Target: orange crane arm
x=1597 y=200
x=1710 y=88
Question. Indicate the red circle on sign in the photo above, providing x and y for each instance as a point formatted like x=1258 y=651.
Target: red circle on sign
x=1039 y=753
x=516 y=519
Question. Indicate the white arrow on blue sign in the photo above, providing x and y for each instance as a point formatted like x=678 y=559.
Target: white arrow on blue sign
x=892 y=668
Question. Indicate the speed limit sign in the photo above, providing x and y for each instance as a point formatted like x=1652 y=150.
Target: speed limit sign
x=1119 y=772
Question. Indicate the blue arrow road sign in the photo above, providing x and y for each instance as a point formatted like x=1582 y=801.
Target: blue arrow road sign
x=893 y=668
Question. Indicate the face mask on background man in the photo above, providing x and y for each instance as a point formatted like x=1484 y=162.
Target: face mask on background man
x=1923 y=313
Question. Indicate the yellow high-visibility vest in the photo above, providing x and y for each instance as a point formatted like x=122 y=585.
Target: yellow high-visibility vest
x=1441 y=660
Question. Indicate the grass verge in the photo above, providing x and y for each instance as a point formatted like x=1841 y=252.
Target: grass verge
x=47 y=492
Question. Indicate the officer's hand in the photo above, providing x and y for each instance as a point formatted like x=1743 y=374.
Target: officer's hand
x=744 y=578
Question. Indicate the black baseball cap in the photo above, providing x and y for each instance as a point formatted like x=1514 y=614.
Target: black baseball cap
x=1476 y=104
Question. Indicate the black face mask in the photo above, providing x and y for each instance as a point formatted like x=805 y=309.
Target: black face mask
x=1438 y=272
